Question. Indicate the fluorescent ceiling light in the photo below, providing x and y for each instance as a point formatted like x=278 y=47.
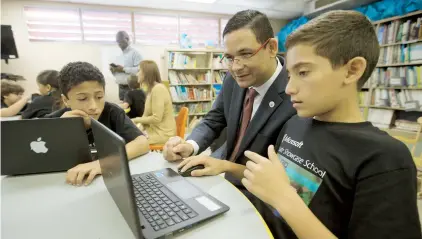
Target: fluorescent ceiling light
x=200 y=1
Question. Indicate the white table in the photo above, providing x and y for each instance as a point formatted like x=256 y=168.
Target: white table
x=17 y=117
x=44 y=206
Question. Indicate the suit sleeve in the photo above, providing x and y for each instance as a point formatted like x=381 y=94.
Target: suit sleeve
x=212 y=124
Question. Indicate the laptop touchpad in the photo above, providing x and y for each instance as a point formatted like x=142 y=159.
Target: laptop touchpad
x=183 y=189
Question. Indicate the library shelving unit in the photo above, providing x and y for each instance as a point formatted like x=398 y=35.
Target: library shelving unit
x=392 y=97
x=195 y=79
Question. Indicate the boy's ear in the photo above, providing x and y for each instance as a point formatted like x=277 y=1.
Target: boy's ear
x=49 y=87
x=64 y=99
x=355 y=69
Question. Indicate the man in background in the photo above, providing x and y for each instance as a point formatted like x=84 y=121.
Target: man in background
x=127 y=63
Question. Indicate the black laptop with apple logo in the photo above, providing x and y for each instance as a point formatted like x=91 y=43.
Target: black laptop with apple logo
x=43 y=145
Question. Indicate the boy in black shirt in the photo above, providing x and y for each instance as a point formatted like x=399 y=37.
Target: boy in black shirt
x=13 y=102
x=333 y=175
x=134 y=98
x=82 y=86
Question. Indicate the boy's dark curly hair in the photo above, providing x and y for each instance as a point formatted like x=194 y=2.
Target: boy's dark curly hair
x=76 y=73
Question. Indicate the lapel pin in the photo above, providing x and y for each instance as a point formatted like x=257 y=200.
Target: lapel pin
x=271 y=104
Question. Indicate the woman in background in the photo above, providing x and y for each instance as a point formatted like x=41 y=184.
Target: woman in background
x=49 y=100
x=158 y=120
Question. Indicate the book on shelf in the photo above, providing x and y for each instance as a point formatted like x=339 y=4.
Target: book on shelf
x=408 y=76
x=219 y=77
x=190 y=61
x=216 y=90
x=406 y=125
x=408 y=100
x=177 y=78
x=400 y=31
x=364 y=98
x=380 y=118
x=182 y=93
x=194 y=108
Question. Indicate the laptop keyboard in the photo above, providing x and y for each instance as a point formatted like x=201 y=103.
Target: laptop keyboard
x=159 y=206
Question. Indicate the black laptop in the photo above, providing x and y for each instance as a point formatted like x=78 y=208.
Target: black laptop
x=43 y=145
x=154 y=204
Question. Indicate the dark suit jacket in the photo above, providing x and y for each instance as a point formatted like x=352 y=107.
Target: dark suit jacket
x=227 y=111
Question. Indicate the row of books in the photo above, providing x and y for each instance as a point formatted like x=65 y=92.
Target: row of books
x=177 y=78
x=219 y=76
x=398 y=31
x=182 y=93
x=400 y=54
x=364 y=98
x=410 y=76
x=181 y=60
x=194 y=108
x=404 y=99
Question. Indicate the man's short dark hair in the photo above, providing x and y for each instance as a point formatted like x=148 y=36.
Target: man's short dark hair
x=76 y=73
x=256 y=21
x=10 y=87
x=340 y=36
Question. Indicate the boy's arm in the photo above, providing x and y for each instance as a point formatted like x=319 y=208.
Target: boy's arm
x=267 y=179
x=385 y=205
x=137 y=147
x=15 y=108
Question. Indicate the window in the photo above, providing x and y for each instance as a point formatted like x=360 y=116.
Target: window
x=53 y=24
x=223 y=23
x=156 y=30
x=202 y=31
x=102 y=26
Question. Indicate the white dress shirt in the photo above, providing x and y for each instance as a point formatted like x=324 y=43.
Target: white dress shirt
x=129 y=59
x=261 y=90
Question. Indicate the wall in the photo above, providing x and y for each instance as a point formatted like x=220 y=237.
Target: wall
x=37 y=56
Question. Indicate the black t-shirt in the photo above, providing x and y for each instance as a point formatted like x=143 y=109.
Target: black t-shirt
x=136 y=101
x=39 y=107
x=114 y=118
x=357 y=180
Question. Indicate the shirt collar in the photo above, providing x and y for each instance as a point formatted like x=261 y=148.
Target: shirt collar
x=262 y=89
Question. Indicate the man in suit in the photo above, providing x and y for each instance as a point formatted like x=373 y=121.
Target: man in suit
x=252 y=103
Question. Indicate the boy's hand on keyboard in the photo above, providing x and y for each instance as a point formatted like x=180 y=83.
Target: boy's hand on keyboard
x=76 y=175
x=212 y=166
x=78 y=113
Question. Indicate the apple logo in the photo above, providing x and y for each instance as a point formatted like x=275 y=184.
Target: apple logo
x=38 y=146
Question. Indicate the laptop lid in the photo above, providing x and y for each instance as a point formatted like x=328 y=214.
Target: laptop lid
x=43 y=145
x=114 y=165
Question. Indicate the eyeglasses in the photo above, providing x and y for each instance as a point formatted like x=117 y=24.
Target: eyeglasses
x=243 y=57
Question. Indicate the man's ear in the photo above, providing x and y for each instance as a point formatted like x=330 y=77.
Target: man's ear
x=355 y=69
x=65 y=100
x=273 y=46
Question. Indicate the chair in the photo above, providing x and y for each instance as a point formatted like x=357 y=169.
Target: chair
x=181 y=121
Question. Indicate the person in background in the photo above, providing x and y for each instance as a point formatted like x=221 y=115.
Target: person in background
x=83 y=88
x=49 y=99
x=158 y=120
x=332 y=174
x=13 y=102
x=127 y=63
x=134 y=99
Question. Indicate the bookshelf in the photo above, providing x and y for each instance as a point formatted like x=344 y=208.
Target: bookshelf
x=392 y=97
x=195 y=78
